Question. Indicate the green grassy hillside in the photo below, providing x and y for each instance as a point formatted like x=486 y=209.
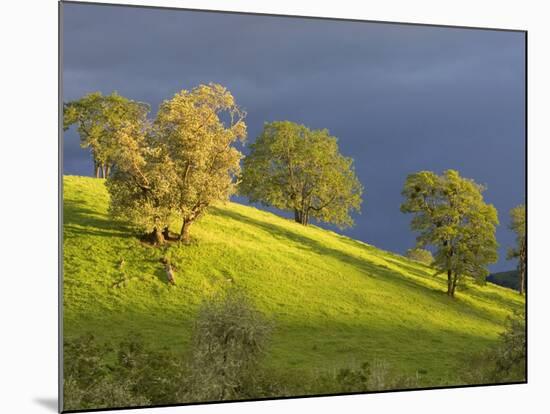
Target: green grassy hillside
x=334 y=301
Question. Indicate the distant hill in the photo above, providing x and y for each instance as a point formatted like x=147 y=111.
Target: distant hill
x=334 y=301
x=508 y=279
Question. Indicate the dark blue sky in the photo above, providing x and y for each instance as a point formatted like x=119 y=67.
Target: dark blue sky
x=400 y=98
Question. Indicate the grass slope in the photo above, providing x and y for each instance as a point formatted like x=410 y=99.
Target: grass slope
x=334 y=301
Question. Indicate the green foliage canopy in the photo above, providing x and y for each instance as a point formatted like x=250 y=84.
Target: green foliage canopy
x=293 y=168
x=420 y=255
x=180 y=164
x=196 y=130
x=451 y=215
x=98 y=119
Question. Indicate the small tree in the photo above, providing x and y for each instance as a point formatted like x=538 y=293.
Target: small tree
x=98 y=119
x=229 y=338
x=420 y=255
x=293 y=168
x=518 y=226
x=451 y=215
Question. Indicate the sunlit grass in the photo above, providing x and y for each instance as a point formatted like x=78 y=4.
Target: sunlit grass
x=334 y=301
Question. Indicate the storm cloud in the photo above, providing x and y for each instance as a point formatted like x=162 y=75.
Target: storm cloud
x=400 y=98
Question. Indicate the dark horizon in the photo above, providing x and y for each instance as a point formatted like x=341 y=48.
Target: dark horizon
x=400 y=98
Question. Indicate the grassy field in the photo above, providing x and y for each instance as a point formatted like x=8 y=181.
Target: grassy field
x=334 y=301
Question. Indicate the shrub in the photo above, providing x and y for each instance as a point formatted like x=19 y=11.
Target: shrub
x=157 y=374
x=353 y=380
x=506 y=361
x=230 y=337
x=84 y=360
x=107 y=393
x=89 y=380
x=420 y=255
x=511 y=354
x=372 y=376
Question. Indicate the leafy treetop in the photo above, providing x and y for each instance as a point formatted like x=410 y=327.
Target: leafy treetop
x=449 y=214
x=292 y=167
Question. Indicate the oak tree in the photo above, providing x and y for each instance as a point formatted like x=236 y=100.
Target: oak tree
x=294 y=168
x=98 y=118
x=451 y=215
x=518 y=226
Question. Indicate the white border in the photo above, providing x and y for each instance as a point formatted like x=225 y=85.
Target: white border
x=28 y=203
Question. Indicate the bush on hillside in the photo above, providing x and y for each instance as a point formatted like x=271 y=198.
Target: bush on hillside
x=377 y=375
x=353 y=380
x=511 y=354
x=157 y=374
x=89 y=380
x=504 y=363
x=229 y=339
x=228 y=342
x=420 y=255
x=108 y=393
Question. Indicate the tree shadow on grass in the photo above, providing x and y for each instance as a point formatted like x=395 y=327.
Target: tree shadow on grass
x=79 y=219
x=482 y=295
x=411 y=269
x=494 y=297
x=308 y=243
x=372 y=270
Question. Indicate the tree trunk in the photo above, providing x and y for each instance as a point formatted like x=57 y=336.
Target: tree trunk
x=96 y=167
x=301 y=216
x=166 y=233
x=103 y=170
x=451 y=279
x=184 y=233
x=450 y=288
x=522 y=280
x=155 y=237
x=522 y=267
x=107 y=171
x=297 y=216
x=305 y=217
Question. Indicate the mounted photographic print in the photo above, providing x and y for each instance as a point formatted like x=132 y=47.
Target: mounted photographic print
x=260 y=206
